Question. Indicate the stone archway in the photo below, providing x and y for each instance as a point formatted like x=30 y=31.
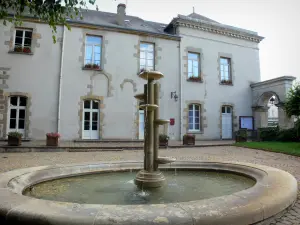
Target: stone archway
x=262 y=92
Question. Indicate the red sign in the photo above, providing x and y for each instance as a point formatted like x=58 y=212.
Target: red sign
x=172 y=121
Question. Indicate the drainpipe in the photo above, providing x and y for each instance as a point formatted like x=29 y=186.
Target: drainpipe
x=180 y=82
x=60 y=79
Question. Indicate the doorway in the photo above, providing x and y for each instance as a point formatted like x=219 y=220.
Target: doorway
x=91 y=118
x=226 y=122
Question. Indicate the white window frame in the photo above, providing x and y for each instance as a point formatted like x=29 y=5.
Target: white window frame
x=17 y=108
x=193 y=61
x=194 y=118
x=222 y=69
x=23 y=37
x=93 y=46
x=147 y=53
x=90 y=110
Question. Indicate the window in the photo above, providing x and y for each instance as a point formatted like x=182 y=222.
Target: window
x=194 y=117
x=93 y=49
x=226 y=109
x=23 y=38
x=193 y=64
x=17 y=112
x=225 y=69
x=147 y=56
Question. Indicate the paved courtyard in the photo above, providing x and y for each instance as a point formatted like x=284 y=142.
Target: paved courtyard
x=9 y=161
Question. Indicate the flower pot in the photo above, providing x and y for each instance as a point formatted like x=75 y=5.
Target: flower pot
x=163 y=143
x=14 y=141
x=52 y=141
x=189 y=140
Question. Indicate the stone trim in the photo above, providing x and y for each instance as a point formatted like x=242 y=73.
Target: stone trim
x=157 y=49
x=235 y=121
x=128 y=81
x=203 y=119
x=10 y=36
x=185 y=60
x=7 y=95
x=216 y=28
x=109 y=82
x=82 y=39
x=102 y=115
x=232 y=70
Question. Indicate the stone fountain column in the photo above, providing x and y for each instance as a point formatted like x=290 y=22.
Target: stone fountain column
x=150 y=176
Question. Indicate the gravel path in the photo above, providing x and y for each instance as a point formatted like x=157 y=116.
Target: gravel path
x=291 y=164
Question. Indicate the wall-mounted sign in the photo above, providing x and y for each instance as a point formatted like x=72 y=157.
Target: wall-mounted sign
x=172 y=121
x=247 y=122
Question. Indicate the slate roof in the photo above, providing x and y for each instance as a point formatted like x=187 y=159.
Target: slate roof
x=131 y=22
x=200 y=17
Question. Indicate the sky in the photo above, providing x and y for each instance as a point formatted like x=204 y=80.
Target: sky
x=276 y=20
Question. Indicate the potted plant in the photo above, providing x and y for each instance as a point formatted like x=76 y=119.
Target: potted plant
x=26 y=50
x=96 y=66
x=189 y=139
x=241 y=135
x=88 y=66
x=163 y=140
x=52 y=139
x=195 y=79
x=18 y=49
x=228 y=82
x=14 y=138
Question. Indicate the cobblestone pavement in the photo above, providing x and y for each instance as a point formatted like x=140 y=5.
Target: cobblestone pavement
x=291 y=164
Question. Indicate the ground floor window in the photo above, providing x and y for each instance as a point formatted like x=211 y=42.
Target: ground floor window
x=17 y=114
x=194 y=117
x=91 y=118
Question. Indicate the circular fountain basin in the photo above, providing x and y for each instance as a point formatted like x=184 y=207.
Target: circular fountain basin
x=271 y=191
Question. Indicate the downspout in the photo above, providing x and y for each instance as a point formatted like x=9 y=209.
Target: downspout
x=60 y=80
x=180 y=82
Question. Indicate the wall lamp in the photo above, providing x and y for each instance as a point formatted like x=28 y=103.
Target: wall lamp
x=174 y=95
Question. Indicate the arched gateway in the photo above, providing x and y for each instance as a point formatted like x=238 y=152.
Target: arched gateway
x=261 y=94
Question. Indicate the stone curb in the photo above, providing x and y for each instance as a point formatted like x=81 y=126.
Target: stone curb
x=249 y=206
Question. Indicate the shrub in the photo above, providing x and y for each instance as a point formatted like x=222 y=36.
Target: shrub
x=163 y=137
x=268 y=133
x=15 y=134
x=288 y=135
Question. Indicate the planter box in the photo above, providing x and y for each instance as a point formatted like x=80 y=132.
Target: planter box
x=14 y=141
x=164 y=143
x=52 y=141
x=189 y=140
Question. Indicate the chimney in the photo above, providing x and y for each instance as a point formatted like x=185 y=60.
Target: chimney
x=121 y=13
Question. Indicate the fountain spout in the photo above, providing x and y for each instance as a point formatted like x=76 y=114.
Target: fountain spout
x=150 y=176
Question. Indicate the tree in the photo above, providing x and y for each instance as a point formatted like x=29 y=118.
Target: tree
x=53 y=12
x=292 y=104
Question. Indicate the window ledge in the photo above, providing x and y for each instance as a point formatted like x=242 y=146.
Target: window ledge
x=83 y=68
x=20 y=53
x=195 y=81
x=195 y=132
x=226 y=84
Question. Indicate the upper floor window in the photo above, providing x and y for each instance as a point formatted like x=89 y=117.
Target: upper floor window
x=225 y=69
x=23 y=40
x=147 y=56
x=193 y=65
x=93 y=45
x=194 y=117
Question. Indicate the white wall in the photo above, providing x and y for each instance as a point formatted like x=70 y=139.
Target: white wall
x=36 y=75
x=245 y=58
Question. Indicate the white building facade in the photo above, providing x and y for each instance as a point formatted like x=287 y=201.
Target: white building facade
x=84 y=85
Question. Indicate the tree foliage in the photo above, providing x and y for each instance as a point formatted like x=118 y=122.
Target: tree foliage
x=53 y=12
x=292 y=104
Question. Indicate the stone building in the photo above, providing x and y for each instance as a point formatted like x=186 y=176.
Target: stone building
x=83 y=86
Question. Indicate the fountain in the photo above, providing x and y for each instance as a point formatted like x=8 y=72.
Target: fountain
x=150 y=176
x=193 y=192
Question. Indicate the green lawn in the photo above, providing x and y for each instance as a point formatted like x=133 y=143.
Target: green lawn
x=291 y=148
